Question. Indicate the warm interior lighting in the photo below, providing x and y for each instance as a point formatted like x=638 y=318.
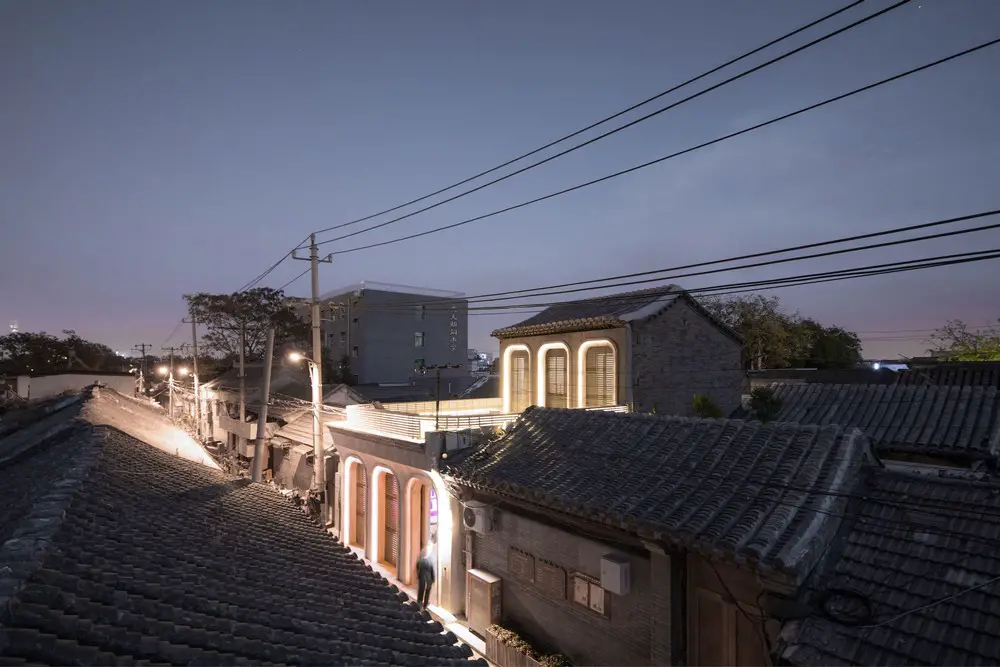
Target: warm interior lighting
x=543 y=371
x=505 y=374
x=581 y=370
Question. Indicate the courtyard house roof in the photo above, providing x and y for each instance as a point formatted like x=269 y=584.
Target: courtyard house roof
x=913 y=580
x=115 y=552
x=606 y=312
x=954 y=421
x=766 y=495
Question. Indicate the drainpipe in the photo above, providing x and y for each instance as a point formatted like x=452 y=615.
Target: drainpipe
x=629 y=369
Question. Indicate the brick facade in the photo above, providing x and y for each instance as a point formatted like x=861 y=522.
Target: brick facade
x=622 y=637
x=680 y=353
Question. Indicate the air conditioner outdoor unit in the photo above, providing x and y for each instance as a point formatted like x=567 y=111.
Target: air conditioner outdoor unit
x=476 y=517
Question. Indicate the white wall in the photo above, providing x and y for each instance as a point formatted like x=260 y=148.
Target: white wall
x=53 y=385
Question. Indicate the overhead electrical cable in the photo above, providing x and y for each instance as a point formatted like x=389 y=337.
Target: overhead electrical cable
x=604 y=120
x=685 y=151
x=632 y=123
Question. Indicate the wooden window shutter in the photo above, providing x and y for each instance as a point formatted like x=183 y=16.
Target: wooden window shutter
x=390 y=548
x=520 y=381
x=556 y=390
x=600 y=376
x=360 y=504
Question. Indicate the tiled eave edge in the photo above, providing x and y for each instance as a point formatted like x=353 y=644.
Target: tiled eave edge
x=564 y=326
x=543 y=501
x=23 y=554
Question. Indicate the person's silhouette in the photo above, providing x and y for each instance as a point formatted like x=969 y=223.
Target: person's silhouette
x=425 y=573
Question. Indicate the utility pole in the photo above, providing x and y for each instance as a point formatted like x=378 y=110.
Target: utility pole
x=437 y=386
x=243 y=388
x=257 y=471
x=319 y=454
x=194 y=372
x=141 y=349
x=170 y=378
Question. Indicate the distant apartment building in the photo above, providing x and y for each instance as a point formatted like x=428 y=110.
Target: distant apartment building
x=387 y=331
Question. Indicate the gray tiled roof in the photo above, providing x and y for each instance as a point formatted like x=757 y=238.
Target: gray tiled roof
x=972 y=374
x=718 y=486
x=136 y=555
x=962 y=422
x=916 y=541
x=604 y=312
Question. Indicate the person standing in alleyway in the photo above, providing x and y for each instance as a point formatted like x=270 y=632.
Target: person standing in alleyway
x=425 y=573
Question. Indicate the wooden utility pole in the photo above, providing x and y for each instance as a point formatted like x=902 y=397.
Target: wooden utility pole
x=141 y=349
x=170 y=377
x=319 y=454
x=437 y=386
x=194 y=372
x=243 y=388
x=257 y=470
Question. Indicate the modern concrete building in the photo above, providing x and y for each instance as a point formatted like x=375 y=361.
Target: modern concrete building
x=386 y=331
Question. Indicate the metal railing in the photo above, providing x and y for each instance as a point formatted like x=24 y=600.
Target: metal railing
x=412 y=421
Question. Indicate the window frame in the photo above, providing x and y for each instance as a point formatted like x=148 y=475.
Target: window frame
x=582 y=353
x=542 y=381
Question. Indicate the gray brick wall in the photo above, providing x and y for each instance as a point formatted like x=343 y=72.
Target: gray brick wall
x=563 y=625
x=680 y=353
x=660 y=606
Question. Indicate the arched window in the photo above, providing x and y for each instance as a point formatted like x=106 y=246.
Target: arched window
x=519 y=377
x=390 y=520
x=598 y=374
x=556 y=387
x=359 y=505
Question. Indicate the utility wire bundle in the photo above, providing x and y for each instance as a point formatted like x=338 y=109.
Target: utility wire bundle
x=647 y=277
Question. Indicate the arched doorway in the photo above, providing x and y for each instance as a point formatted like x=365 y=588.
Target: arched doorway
x=422 y=504
x=356 y=511
x=387 y=524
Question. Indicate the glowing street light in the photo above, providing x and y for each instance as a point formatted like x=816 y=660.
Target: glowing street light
x=162 y=370
x=319 y=455
x=182 y=371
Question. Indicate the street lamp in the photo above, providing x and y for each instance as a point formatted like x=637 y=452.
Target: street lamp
x=319 y=455
x=162 y=370
x=182 y=371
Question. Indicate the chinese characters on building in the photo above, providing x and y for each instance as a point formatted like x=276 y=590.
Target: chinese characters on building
x=453 y=332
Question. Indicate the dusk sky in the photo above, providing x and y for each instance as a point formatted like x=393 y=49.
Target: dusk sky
x=151 y=149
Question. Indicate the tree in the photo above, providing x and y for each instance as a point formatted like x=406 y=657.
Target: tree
x=336 y=371
x=964 y=345
x=764 y=405
x=776 y=339
x=770 y=336
x=828 y=347
x=705 y=407
x=27 y=352
x=257 y=309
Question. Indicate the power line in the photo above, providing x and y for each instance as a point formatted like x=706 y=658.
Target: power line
x=543 y=291
x=828 y=253
x=727 y=260
x=616 y=115
x=253 y=283
x=644 y=165
x=771 y=283
x=173 y=332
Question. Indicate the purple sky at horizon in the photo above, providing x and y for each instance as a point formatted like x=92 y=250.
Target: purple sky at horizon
x=153 y=149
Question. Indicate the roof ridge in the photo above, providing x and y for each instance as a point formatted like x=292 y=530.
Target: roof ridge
x=23 y=554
